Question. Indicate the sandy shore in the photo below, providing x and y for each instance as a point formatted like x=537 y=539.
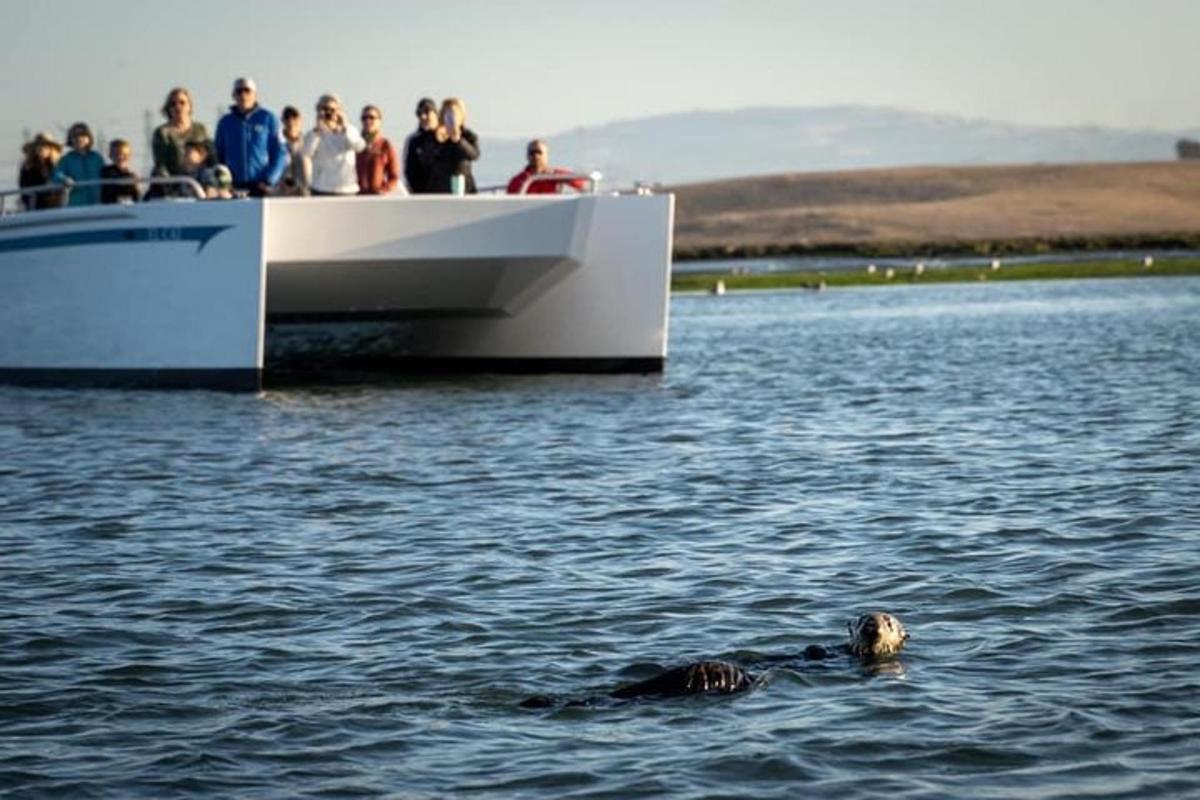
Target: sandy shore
x=992 y=209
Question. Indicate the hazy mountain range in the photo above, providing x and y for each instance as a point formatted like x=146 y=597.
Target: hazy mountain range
x=706 y=145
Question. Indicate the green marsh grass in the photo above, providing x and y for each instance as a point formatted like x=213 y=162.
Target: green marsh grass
x=704 y=281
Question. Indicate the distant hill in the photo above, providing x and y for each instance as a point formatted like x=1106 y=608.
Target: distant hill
x=919 y=208
x=709 y=145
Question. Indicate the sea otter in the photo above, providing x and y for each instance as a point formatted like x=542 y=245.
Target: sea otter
x=874 y=637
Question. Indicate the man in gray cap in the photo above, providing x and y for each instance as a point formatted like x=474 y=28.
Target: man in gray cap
x=248 y=141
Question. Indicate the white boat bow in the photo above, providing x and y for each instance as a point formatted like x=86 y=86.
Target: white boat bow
x=223 y=293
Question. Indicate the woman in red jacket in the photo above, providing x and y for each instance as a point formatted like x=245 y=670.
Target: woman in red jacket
x=377 y=165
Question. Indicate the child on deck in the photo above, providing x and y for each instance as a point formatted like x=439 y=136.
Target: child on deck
x=81 y=164
x=217 y=181
x=119 y=153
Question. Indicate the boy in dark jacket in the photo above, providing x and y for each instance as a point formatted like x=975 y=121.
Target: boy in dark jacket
x=119 y=153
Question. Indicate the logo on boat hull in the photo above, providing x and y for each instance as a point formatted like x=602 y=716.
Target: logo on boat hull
x=201 y=234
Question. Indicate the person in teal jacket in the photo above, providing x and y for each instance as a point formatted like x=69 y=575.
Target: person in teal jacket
x=249 y=142
x=82 y=163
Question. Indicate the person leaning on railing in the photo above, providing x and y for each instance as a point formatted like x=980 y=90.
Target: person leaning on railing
x=82 y=163
x=538 y=155
x=41 y=156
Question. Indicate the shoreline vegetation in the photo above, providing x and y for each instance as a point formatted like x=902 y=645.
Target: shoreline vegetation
x=896 y=248
x=918 y=273
x=927 y=212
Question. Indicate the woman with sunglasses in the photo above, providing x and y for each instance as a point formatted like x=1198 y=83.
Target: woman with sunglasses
x=331 y=147
x=377 y=165
x=171 y=138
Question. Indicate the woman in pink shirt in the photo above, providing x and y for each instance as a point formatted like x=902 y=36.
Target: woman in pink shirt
x=377 y=165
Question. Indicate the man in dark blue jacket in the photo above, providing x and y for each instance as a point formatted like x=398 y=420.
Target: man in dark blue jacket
x=248 y=141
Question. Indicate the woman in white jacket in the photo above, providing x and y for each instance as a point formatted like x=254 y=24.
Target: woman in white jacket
x=330 y=147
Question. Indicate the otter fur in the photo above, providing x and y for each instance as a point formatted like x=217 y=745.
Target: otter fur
x=873 y=638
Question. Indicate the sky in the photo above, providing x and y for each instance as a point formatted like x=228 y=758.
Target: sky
x=539 y=67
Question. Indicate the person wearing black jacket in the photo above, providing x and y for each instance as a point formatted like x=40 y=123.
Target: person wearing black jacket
x=421 y=147
x=457 y=147
x=41 y=155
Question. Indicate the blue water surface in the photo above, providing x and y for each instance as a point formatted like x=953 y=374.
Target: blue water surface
x=346 y=592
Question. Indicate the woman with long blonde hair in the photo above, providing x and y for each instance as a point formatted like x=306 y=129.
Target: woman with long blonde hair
x=330 y=148
x=457 y=147
x=171 y=138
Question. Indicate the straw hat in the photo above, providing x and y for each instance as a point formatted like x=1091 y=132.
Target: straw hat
x=43 y=138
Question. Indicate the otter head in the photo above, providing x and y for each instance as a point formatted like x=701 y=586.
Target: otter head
x=876 y=635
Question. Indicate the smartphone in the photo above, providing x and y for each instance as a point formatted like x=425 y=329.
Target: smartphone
x=451 y=119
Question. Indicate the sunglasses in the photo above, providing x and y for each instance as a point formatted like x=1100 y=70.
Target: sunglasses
x=369 y=116
x=536 y=153
x=243 y=90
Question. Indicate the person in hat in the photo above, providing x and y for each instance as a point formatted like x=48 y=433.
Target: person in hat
x=248 y=141
x=41 y=156
x=421 y=147
x=216 y=181
x=538 y=163
x=81 y=164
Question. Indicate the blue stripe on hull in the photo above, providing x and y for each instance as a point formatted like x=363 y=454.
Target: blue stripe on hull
x=201 y=234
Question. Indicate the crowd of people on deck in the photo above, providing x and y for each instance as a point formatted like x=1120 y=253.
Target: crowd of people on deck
x=254 y=153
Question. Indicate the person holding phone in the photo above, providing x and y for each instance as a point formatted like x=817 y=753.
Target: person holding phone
x=457 y=147
x=331 y=147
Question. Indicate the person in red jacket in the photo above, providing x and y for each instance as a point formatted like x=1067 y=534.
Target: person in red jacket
x=539 y=164
x=377 y=165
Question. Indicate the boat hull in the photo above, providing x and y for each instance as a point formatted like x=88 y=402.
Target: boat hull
x=216 y=293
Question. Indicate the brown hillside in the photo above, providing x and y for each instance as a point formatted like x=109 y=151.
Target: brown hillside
x=940 y=204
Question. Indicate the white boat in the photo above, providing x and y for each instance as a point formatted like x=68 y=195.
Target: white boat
x=234 y=292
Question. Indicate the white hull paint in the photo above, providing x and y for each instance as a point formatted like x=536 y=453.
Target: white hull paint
x=203 y=293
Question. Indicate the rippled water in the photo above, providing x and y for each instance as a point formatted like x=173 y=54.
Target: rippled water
x=346 y=592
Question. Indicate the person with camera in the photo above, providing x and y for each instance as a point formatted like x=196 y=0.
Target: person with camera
x=331 y=147
x=457 y=147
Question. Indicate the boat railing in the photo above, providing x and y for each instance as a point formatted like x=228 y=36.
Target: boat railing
x=592 y=179
x=178 y=181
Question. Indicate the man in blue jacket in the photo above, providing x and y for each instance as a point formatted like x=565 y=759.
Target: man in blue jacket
x=248 y=141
